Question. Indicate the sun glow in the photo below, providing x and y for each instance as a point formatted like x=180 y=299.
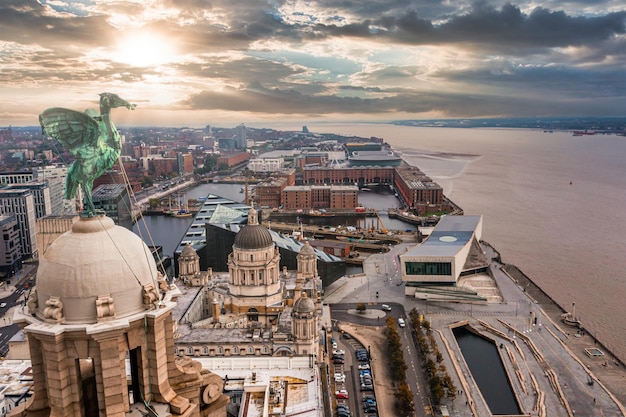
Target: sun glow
x=144 y=50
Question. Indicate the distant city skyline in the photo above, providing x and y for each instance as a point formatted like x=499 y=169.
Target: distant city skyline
x=195 y=62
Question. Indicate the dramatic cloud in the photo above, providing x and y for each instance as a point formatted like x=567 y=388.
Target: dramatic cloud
x=339 y=59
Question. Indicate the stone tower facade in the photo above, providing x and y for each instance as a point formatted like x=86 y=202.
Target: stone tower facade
x=304 y=323
x=254 y=268
x=189 y=268
x=100 y=332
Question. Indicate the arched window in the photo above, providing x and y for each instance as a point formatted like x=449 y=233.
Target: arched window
x=190 y=350
x=205 y=350
x=250 y=350
x=220 y=350
x=235 y=350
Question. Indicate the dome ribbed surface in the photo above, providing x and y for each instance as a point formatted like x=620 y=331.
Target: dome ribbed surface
x=188 y=251
x=307 y=249
x=304 y=304
x=253 y=236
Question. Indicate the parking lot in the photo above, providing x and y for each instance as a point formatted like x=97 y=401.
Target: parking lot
x=352 y=377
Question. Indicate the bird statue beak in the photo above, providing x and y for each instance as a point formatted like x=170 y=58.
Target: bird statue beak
x=117 y=101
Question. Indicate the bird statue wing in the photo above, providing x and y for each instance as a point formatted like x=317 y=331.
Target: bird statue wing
x=73 y=129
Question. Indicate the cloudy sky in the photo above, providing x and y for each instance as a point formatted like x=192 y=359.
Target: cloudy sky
x=196 y=62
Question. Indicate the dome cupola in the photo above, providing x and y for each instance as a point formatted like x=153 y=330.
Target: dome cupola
x=253 y=235
x=95 y=270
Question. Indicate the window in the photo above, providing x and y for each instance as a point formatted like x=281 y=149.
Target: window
x=428 y=268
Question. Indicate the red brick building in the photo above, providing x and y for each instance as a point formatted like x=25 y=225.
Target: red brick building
x=348 y=175
x=417 y=190
x=268 y=193
x=230 y=160
x=320 y=196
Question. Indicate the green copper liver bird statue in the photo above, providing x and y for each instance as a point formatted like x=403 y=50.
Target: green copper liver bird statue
x=91 y=138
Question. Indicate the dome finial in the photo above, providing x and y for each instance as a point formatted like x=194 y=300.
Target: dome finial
x=253 y=218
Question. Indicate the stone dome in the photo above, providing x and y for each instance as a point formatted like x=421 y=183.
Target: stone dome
x=304 y=304
x=95 y=259
x=253 y=235
x=188 y=252
x=307 y=249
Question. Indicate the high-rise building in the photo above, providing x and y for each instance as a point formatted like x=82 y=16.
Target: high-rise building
x=41 y=197
x=20 y=203
x=241 y=137
x=10 y=248
x=115 y=201
x=55 y=176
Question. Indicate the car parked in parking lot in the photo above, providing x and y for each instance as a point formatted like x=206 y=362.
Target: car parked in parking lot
x=364 y=366
x=340 y=378
x=338 y=361
x=367 y=387
x=342 y=394
x=339 y=352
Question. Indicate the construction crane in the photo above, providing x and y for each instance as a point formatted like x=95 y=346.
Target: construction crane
x=382 y=227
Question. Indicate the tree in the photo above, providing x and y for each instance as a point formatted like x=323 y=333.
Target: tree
x=404 y=397
x=361 y=307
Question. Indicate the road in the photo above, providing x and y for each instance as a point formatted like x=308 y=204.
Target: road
x=14 y=299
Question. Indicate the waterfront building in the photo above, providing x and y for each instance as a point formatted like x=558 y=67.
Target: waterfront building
x=362 y=147
x=265 y=164
x=101 y=335
x=417 y=191
x=228 y=161
x=442 y=265
x=20 y=203
x=348 y=175
x=374 y=158
x=267 y=194
x=320 y=196
x=114 y=200
x=10 y=248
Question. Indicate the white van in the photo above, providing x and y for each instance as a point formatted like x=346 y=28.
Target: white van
x=401 y=322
